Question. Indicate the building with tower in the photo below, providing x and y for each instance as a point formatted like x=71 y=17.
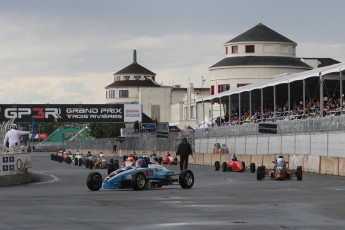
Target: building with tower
x=256 y=55
x=136 y=84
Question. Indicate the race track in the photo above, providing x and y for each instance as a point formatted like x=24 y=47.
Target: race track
x=59 y=199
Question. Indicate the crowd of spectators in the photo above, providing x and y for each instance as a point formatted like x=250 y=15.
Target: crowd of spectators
x=332 y=107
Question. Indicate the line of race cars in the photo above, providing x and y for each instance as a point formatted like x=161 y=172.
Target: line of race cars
x=142 y=172
x=280 y=171
x=137 y=172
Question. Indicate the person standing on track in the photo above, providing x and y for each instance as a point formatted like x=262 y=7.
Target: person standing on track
x=12 y=138
x=184 y=150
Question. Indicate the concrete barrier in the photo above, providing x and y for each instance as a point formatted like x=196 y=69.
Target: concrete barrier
x=267 y=160
x=294 y=161
x=208 y=159
x=245 y=158
x=311 y=163
x=257 y=159
x=15 y=168
x=341 y=166
x=329 y=165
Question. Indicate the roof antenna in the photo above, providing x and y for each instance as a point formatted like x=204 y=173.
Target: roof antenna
x=134 y=57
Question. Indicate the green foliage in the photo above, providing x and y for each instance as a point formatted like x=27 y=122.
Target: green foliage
x=105 y=130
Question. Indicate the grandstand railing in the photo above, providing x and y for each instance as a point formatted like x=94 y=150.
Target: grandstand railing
x=325 y=124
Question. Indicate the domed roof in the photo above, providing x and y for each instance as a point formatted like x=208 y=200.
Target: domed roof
x=133 y=83
x=135 y=68
x=261 y=61
x=262 y=33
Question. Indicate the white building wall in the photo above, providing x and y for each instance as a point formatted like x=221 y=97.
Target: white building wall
x=156 y=96
x=263 y=49
x=133 y=96
x=246 y=75
x=176 y=113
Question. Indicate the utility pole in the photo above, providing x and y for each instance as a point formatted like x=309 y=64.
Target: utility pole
x=202 y=81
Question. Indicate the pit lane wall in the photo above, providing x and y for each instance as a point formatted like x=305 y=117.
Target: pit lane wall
x=15 y=168
x=322 y=153
x=314 y=164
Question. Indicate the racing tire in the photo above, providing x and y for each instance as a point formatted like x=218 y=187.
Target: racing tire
x=52 y=157
x=260 y=173
x=75 y=161
x=252 y=167
x=124 y=157
x=111 y=160
x=91 y=164
x=186 y=179
x=94 y=181
x=299 y=173
x=244 y=166
x=80 y=162
x=217 y=165
x=160 y=159
x=139 y=181
x=111 y=168
x=224 y=166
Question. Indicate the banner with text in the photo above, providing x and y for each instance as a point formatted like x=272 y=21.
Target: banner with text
x=83 y=113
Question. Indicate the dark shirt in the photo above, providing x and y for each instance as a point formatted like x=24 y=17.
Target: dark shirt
x=184 y=148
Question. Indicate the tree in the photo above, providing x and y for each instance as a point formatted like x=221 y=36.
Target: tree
x=105 y=130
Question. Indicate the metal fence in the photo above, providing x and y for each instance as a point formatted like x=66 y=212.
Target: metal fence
x=142 y=142
x=234 y=136
x=325 y=124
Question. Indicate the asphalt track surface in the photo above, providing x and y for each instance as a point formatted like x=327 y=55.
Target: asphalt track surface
x=59 y=199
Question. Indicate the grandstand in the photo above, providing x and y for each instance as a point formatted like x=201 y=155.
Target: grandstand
x=62 y=135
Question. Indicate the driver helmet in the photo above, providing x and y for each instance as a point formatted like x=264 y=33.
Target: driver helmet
x=280 y=160
x=141 y=162
x=234 y=158
x=101 y=154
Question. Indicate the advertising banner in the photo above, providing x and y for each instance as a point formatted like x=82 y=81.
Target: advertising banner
x=268 y=128
x=15 y=163
x=83 y=113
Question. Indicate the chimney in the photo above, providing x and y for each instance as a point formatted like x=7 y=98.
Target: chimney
x=134 y=57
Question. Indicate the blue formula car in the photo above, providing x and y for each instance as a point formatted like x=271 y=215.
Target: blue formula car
x=145 y=174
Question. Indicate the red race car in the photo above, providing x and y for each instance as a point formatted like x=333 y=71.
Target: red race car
x=168 y=160
x=234 y=165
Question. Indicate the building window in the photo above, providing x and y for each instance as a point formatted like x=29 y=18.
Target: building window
x=250 y=49
x=212 y=90
x=226 y=50
x=223 y=87
x=123 y=93
x=268 y=49
x=284 y=49
x=125 y=77
x=111 y=93
x=243 y=84
x=137 y=77
x=118 y=78
x=234 y=49
x=192 y=112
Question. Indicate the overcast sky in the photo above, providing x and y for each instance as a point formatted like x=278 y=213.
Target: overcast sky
x=66 y=51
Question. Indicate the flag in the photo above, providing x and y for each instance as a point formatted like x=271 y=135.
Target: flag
x=33 y=134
